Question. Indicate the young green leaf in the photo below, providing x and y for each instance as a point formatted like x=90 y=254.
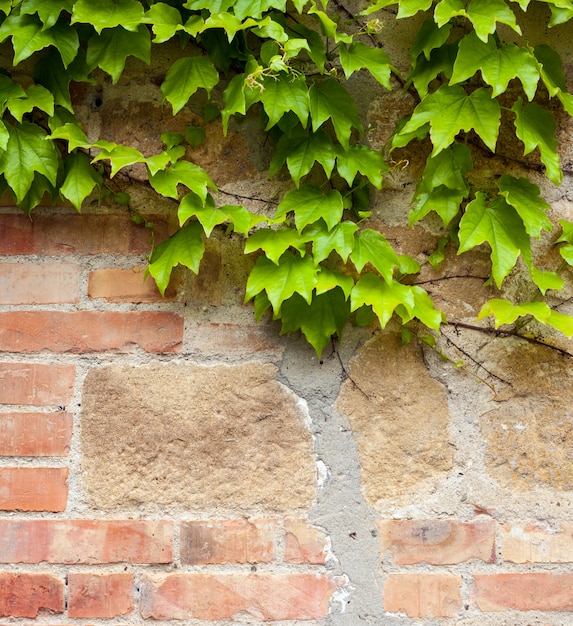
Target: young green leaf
x=165 y=21
x=358 y=55
x=339 y=239
x=483 y=14
x=185 y=247
x=48 y=10
x=309 y=204
x=359 y=158
x=108 y=14
x=382 y=296
x=524 y=197
x=185 y=76
x=183 y=172
x=80 y=179
x=119 y=156
x=36 y=97
x=370 y=246
x=283 y=93
x=275 y=242
x=429 y=37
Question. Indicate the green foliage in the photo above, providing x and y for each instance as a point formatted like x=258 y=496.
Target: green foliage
x=320 y=265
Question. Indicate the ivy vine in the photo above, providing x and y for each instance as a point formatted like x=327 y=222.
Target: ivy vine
x=319 y=264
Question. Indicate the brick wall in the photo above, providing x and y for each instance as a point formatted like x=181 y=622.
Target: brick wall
x=72 y=300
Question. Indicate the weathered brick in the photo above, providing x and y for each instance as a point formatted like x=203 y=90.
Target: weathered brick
x=33 y=488
x=304 y=543
x=236 y=596
x=532 y=591
x=90 y=331
x=85 y=541
x=39 y=283
x=536 y=543
x=423 y=595
x=71 y=234
x=228 y=541
x=25 y=595
x=36 y=384
x=117 y=285
x=235 y=339
x=100 y=595
x=439 y=542
x=35 y=434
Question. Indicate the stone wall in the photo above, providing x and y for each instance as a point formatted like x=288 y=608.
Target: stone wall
x=169 y=459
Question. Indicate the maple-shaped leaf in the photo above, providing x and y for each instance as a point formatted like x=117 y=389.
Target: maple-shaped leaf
x=483 y=14
x=370 y=246
x=309 y=204
x=525 y=198
x=185 y=76
x=205 y=211
x=275 y=242
x=332 y=279
x=214 y=6
x=165 y=21
x=560 y=13
x=185 y=247
x=448 y=168
x=301 y=151
x=108 y=14
x=110 y=49
x=119 y=156
x=535 y=126
x=443 y=201
x=330 y=100
x=317 y=49
x=325 y=316
x=505 y=312
x=293 y=274
x=36 y=96
x=284 y=93
x=28 y=36
x=498 y=65
x=38 y=189
x=241 y=219
x=424 y=71
x=423 y=308
x=328 y=25
x=256 y=8
x=381 y=295
x=73 y=134
x=553 y=75
x=80 y=179
x=429 y=37
x=28 y=151
x=359 y=158
x=500 y=226
x=408 y=8
x=50 y=72
x=358 y=55
x=48 y=10
x=450 y=110
x=325 y=240
x=9 y=90
x=192 y=176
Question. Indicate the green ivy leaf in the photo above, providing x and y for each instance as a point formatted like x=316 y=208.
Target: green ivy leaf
x=242 y=219
x=382 y=296
x=36 y=96
x=48 y=10
x=28 y=151
x=9 y=90
x=498 y=65
x=50 y=72
x=185 y=247
x=423 y=308
x=330 y=100
x=441 y=61
x=301 y=151
x=119 y=156
x=108 y=14
x=525 y=198
x=408 y=8
x=483 y=14
x=497 y=224
x=325 y=316
x=309 y=204
x=445 y=202
x=256 y=8
x=450 y=110
x=275 y=243
x=358 y=55
x=324 y=240
x=429 y=37
x=293 y=274
x=333 y=279
x=80 y=179
x=553 y=75
x=284 y=93
x=185 y=76
x=73 y=134
x=110 y=49
x=165 y=21
x=535 y=126
x=183 y=172
x=370 y=246
x=359 y=158
x=506 y=312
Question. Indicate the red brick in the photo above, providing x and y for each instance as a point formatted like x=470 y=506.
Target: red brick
x=100 y=595
x=85 y=541
x=33 y=488
x=439 y=542
x=25 y=595
x=76 y=234
x=304 y=543
x=535 y=591
x=236 y=596
x=39 y=283
x=423 y=595
x=36 y=384
x=90 y=331
x=35 y=434
x=537 y=543
x=228 y=541
x=117 y=285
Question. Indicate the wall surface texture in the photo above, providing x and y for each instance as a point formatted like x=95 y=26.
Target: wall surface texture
x=169 y=461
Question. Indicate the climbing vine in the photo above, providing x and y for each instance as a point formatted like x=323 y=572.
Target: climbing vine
x=319 y=264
